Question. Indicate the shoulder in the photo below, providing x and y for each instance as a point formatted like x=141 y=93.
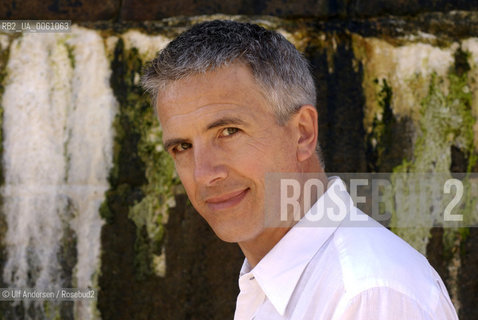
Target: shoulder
x=367 y=272
x=378 y=265
x=386 y=303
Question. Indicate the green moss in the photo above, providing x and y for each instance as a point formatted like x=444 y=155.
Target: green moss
x=381 y=126
x=143 y=174
x=144 y=257
x=51 y=310
x=150 y=213
x=71 y=55
x=445 y=121
x=105 y=211
x=63 y=41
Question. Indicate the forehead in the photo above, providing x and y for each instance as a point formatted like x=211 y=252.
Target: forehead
x=225 y=88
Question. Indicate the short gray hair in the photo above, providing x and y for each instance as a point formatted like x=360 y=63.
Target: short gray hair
x=277 y=66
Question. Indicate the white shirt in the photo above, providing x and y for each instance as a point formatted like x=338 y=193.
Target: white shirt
x=342 y=270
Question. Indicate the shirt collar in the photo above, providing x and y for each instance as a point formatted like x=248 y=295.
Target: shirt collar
x=280 y=270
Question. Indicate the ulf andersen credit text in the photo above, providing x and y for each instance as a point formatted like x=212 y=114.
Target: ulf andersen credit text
x=63 y=294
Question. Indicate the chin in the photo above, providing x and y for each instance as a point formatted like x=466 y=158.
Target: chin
x=235 y=235
x=236 y=225
x=228 y=238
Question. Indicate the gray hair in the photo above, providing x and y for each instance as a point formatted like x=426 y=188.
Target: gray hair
x=278 y=68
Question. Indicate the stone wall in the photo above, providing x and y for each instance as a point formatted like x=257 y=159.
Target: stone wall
x=130 y=10
x=159 y=259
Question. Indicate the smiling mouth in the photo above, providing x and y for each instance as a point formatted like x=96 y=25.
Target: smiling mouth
x=226 y=201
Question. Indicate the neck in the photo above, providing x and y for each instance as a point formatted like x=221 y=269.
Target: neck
x=257 y=248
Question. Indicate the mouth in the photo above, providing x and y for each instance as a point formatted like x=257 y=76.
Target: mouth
x=226 y=201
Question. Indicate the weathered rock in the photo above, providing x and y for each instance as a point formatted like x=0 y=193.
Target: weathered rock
x=75 y=10
x=198 y=265
x=372 y=8
x=153 y=10
x=468 y=280
x=340 y=105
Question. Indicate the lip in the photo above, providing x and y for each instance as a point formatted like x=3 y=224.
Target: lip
x=227 y=200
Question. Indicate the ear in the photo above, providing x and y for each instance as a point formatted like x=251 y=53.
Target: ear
x=306 y=123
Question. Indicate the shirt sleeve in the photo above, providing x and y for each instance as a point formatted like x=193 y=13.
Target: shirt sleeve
x=386 y=303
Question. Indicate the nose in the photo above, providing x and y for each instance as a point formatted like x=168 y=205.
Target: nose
x=209 y=167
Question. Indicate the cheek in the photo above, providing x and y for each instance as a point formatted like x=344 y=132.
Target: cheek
x=256 y=161
x=271 y=153
x=254 y=169
x=186 y=176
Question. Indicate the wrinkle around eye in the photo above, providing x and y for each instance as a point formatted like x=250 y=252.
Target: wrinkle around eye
x=259 y=145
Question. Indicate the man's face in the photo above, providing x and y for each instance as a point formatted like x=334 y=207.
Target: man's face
x=224 y=137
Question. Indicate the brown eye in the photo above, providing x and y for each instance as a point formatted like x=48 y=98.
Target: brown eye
x=182 y=147
x=229 y=131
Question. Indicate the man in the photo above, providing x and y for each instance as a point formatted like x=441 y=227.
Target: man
x=236 y=103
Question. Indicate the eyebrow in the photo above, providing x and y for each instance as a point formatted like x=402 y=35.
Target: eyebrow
x=226 y=121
